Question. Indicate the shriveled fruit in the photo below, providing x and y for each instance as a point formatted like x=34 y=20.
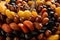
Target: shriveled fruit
x=23 y=27
x=6 y=28
x=14 y=26
x=29 y=24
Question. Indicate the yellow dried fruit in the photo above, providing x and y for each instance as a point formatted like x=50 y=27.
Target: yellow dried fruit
x=8 y=14
x=7 y=0
x=2 y=9
x=58 y=11
x=48 y=3
x=34 y=13
x=27 y=14
x=21 y=14
x=54 y=37
x=30 y=2
x=13 y=13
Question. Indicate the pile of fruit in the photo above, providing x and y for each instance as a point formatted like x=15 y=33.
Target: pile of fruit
x=29 y=20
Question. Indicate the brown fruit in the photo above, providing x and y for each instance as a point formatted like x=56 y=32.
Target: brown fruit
x=45 y=20
x=44 y=10
x=6 y=28
x=45 y=14
x=38 y=25
x=14 y=26
x=0 y=26
x=48 y=33
x=29 y=24
x=33 y=38
x=40 y=36
x=8 y=38
x=16 y=38
x=23 y=27
x=38 y=19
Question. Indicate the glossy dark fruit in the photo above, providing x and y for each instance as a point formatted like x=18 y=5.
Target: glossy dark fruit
x=27 y=37
x=29 y=24
x=14 y=26
x=0 y=25
x=2 y=38
x=41 y=31
x=33 y=38
x=34 y=33
x=49 y=9
x=51 y=13
x=3 y=33
x=6 y=28
x=22 y=36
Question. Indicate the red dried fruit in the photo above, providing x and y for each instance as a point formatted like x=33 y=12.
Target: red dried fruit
x=23 y=27
x=44 y=10
x=38 y=19
x=45 y=20
x=38 y=25
x=29 y=24
x=45 y=14
x=48 y=33
x=40 y=36
x=6 y=28
x=14 y=26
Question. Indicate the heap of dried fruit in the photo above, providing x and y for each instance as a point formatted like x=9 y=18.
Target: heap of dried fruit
x=29 y=20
